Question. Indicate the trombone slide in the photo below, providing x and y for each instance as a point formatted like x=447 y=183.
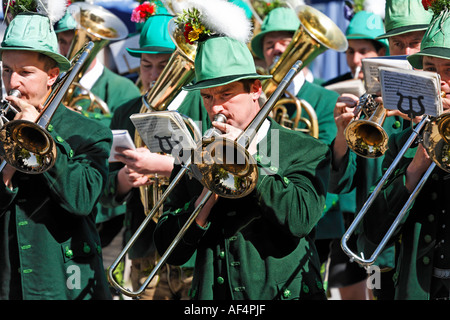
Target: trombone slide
x=360 y=259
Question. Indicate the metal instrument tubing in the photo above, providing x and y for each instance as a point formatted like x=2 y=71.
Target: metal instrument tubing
x=374 y=194
x=175 y=241
x=249 y=133
x=402 y=213
x=139 y=231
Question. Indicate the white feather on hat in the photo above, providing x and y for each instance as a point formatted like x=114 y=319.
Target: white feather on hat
x=224 y=18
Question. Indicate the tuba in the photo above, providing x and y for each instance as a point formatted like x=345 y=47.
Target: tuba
x=99 y=25
x=178 y=72
x=26 y=145
x=316 y=34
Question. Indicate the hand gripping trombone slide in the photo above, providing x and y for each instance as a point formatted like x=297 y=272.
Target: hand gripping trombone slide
x=246 y=177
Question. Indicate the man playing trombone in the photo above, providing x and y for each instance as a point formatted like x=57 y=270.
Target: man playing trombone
x=404 y=20
x=257 y=246
x=423 y=263
x=50 y=245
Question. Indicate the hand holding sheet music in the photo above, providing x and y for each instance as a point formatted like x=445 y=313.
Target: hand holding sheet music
x=164 y=132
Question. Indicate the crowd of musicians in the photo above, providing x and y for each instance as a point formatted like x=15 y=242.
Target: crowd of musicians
x=275 y=231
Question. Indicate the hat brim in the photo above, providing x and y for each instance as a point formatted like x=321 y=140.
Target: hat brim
x=402 y=30
x=63 y=63
x=416 y=59
x=220 y=81
x=137 y=52
x=365 y=37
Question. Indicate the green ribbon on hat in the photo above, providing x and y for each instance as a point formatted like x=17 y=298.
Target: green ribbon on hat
x=222 y=60
x=366 y=25
x=278 y=19
x=436 y=41
x=154 y=37
x=33 y=32
x=402 y=16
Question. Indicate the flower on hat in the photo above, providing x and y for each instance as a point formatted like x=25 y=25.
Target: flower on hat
x=194 y=29
x=53 y=9
x=143 y=11
x=202 y=19
x=437 y=6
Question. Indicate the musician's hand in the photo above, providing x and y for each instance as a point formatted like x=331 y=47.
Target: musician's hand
x=7 y=173
x=26 y=110
x=446 y=104
x=417 y=168
x=343 y=114
x=202 y=217
x=128 y=179
x=344 y=111
x=145 y=162
x=232 y=133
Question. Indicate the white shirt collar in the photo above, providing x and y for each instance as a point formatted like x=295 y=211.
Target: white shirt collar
x=91 y=76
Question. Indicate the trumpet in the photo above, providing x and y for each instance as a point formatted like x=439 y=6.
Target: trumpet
x=366 y=137
x=26 y=145
x=224 y=179
x=437 y=147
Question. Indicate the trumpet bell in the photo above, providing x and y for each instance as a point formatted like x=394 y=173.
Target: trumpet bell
x=435 y=141
x=225 y=167
x=27 y=147
x=366 y=138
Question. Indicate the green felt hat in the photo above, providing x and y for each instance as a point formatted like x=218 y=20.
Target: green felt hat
x=436 y=41
x=154 y=37
x=402 y=16
x=279 y=19
x=66 y=23
x=243 y=5
x=33 y=32
x=220 y=61
x=366 y=25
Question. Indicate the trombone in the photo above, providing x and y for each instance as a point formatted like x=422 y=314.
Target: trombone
x=26 y=145
x=435 y=139
x=226 y=180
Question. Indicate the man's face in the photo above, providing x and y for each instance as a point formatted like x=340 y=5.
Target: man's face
x=442 y=67
x=24 y=71
x=64 y=41
x=405 y=44
x=234 y=102
x=274 y=44
x=359 y=49
x=151 y=67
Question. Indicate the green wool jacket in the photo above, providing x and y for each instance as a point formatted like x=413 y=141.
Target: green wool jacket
x=49 y=245
x=259 y=246
x=322 y=100
x=192 y=106
x=422 y=229
x=115 y=90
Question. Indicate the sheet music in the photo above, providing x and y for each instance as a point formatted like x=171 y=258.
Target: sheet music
x=414 y=92
x=121 y=138
x=371 y=70
x=163 y=131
